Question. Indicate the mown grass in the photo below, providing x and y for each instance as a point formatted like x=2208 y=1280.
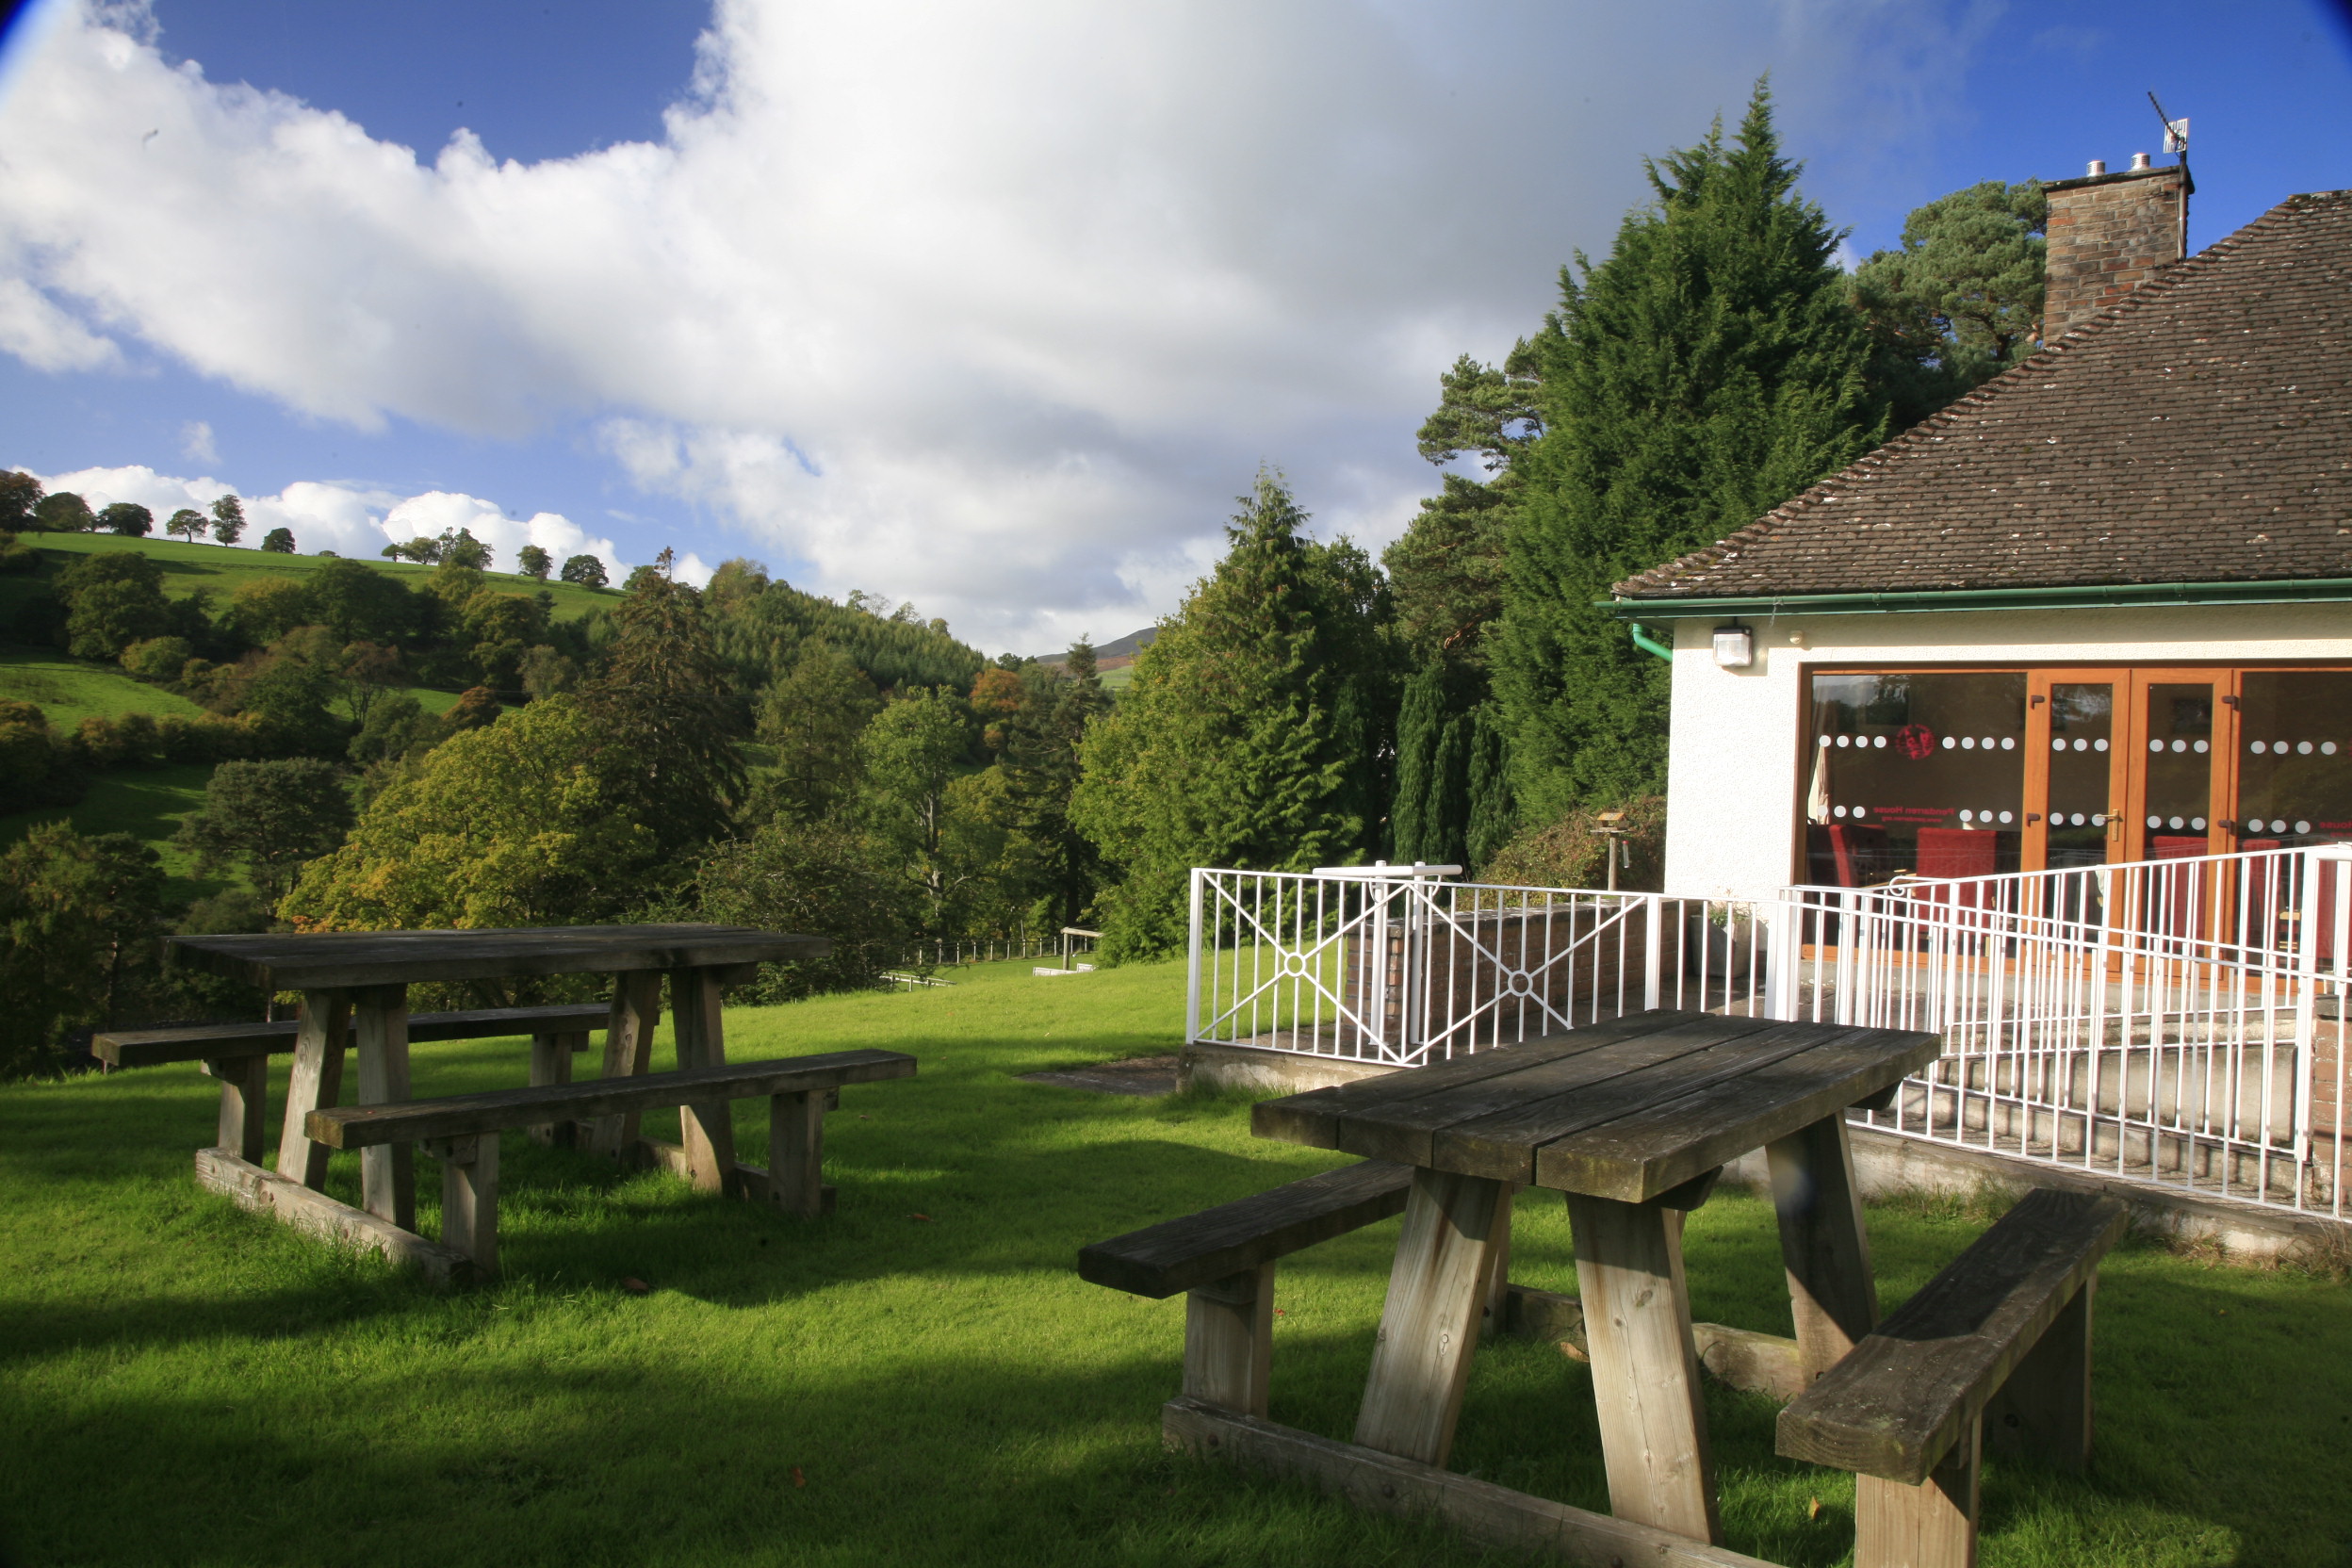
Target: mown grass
x=71 y=690
x=921 y=1378
x=222 y=567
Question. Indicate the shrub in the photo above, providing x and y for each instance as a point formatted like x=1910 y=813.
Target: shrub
x=159 y=659
x=279 y=541
x=268 y=818
x=78 y=920
x=820 y=879
x=1569 y=854
x=16 y=555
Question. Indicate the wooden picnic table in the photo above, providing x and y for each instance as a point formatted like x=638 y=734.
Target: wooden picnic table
x=356 y=984
x=1633 y=1120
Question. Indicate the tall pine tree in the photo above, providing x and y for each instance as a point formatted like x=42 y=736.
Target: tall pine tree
x=1251 y=735
x=1711 y=368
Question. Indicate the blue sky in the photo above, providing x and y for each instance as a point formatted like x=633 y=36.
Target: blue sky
x=990 y=308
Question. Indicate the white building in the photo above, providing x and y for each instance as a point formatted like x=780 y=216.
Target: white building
x=2099 y=611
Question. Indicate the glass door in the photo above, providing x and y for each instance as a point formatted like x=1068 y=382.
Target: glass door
x=2076 y=776
x=2183 y=747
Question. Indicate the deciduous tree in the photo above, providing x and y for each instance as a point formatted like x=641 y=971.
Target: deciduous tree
x=78 y=915
x=187 y=523
x=228 y=519
x=279 y=541
x=268 y=819
x=533 y=562
x=668 y=710
x=129 y=518
x=585 y=570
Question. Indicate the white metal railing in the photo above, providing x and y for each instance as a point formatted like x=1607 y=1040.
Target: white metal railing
x=2174 y=1021
x=1398 y=965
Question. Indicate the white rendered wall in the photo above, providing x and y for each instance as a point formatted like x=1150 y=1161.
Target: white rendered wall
x=1731 y=793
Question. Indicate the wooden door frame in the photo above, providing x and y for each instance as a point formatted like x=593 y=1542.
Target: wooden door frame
x=2221 y=775
x=2033 y=842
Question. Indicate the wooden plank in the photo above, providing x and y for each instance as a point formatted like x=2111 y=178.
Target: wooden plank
x=469 y=1197
x=1636 y=1156
x=1481 y=1511
x=2042 y=1412
x=1229 y=1341
x=1909 y=1392
x=628 y=1053
x=1645 y=1364
x=1430 y=1323
x=1931 y=1525
x=266 y=1192
x=705 y=1127
x=551 y=1062
x=1312 y=1117
x=204 y=1042
x=366 y=1126
x=1757 y=1363
x=244 y=1104
x=1501 y=1136
x=1160 y=1260
x=316 y=960
x=1824 y=1244
x=387 y=1172
x=795 y=1175
x=315 y=1082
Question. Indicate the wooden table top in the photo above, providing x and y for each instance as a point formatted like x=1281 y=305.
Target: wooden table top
x=321 y=961
x=1627 y=1109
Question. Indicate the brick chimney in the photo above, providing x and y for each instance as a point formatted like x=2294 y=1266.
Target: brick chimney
x=2108 y=234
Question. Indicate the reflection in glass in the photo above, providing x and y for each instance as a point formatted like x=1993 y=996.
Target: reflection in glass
x=2180 y=798
x=2295 y=767
x=2082 y=735
x=1915 y=771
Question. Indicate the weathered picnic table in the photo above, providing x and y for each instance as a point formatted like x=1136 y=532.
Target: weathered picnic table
x=1633 y=1120
x=354 y=986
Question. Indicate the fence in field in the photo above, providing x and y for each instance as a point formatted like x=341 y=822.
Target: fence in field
x=2173 y=1021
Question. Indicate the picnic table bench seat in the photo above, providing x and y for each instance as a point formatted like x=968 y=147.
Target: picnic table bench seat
x=239 y=1055
x=462 y=1130
x=1996 y=1348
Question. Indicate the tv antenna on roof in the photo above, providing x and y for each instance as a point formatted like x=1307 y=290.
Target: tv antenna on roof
x=2176 y=131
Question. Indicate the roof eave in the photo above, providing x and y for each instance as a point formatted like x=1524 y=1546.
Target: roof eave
x=1929 y=601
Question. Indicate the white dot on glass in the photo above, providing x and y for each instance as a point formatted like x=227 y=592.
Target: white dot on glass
x=1880 y=742
x=2180 y=745
x=2008 y=743
x=2303 y=747
x=1861 y=811
x=1968 y=816
x=2259 y=749
x=2004 y=817
x=2061 y=746
x=1837 y=810
x=2176 y=823
x=2099 y=745
x=2099 y=819
x=2254 y=825
x=2155 y=745
x=2302 y=827
x=1968 y=743
x=2077 y=819
x=1949 y=743
x=1826 y=739
x=2082 y=745
x=1845 y=741
x=2276 y=825
x=2197 y=823
x=2198 y=747
x=1987 y=742
x=2155 y=822
x=2326 y=748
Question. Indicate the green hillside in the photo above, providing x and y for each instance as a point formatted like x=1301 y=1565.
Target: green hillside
x=72 y=690
x=146 y=803
x=221 y=568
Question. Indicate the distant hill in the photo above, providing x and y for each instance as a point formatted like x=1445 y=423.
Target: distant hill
x=1114 y=655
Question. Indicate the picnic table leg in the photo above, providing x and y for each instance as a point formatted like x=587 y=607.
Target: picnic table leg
x=707 y=1128
x=1229 y=1340
x=469 y=1197
x=244 y=1103
x=628 y=1053
x=387 y=1173
x=1822 y=1242
x=1645 y=1364
x=1429 y=1325
x=550 y=1064
x=2044 y=1410
x=1931 y=1525
x=796 y=1153
x=315 y=1083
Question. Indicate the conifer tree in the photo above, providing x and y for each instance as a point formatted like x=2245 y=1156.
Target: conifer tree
x=1041 y=764
x=1250 y=736
x=1707 y=370
x=668 y=715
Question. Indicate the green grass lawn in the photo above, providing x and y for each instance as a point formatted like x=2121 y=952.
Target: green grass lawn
x=71 y=690
x=922 y=1378
x=221 y=568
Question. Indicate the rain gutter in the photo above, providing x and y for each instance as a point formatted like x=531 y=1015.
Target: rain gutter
x=2102 y=596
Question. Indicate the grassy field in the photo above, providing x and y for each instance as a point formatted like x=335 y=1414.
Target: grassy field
x=146 y=803
x=921 y=1378
x=72 y=690
x=221 y=568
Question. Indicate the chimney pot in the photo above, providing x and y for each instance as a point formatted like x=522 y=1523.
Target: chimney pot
x=2098 y=166
x=2139 y=162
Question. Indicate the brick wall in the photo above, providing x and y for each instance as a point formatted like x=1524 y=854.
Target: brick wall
x=2108 y=234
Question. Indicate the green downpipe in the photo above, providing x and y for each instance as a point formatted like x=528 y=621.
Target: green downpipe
x=1647 y=643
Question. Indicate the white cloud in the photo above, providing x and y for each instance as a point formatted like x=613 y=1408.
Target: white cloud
x=196 y=442
x=992 y=307
x=347 y=519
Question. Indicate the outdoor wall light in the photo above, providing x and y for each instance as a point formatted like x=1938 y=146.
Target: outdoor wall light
x=1735 y=647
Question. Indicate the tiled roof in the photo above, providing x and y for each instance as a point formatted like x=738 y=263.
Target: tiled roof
x=2199 y=431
